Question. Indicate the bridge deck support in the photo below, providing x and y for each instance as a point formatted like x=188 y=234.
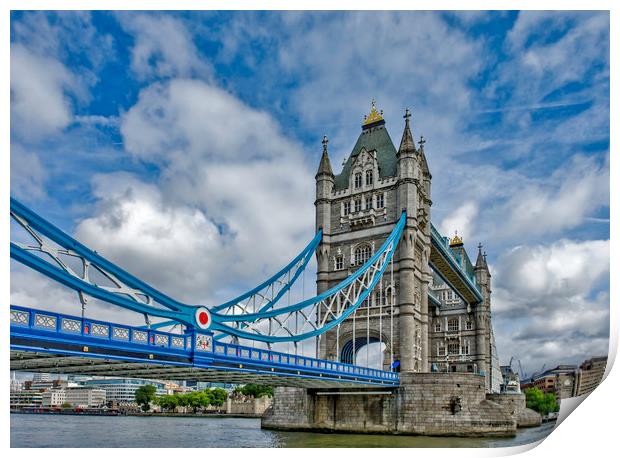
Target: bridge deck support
x=438 y=404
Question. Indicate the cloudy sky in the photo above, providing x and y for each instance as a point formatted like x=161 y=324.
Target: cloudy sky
x=183 y=146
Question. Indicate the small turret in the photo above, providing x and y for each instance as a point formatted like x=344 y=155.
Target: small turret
x=407 y=145
x=325 y=166
x=324 y=187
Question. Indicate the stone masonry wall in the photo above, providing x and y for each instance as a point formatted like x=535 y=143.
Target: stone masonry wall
x=425 y=403
x=516 y=406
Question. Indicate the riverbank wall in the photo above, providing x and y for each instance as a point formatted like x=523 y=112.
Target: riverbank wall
x=434 y=404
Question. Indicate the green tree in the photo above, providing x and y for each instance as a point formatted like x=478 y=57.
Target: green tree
x=144 y=396
x=254 y=390
x=540 y=402
x=198 y=399
x=167 y=401
x=218 y=396
x=66 y=405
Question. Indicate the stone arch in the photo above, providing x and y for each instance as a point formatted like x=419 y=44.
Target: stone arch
x=345 y=346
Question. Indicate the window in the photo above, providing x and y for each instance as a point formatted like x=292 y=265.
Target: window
x=358 y=205
x=438 y=326
x=453 y=348
x=469 y=325
x=339 y=262
x=380 y=201
x=453 y=324
x=347 y=208
x=362 y=254
x=384 y=296
x=369 y=176
x=368 y=202
x=358 y=180
x=441 y=350
x=465 y=348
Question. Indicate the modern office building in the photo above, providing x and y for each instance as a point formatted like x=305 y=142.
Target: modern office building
x=123 y=390
x=590 y=374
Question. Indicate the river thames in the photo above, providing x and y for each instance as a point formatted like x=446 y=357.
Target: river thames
x=28 y=430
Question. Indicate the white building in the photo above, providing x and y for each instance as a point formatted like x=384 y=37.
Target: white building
x=123 y=390
x=53 y=398
x=84 y=397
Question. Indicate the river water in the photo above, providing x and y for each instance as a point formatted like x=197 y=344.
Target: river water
x=36 y=430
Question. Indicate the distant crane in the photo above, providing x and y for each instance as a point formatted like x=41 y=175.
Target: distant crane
x=521 y=372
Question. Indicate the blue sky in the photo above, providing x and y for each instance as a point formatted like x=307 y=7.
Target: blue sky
x=190 y=140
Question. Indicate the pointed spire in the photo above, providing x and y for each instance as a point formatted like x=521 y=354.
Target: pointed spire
x=325 y=166
x=480 y=261
x=407 y=144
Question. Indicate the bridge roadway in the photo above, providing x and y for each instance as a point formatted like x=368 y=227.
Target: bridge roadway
x=43 y=341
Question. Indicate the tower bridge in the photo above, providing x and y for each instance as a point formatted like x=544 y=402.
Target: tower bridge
x=385 y=275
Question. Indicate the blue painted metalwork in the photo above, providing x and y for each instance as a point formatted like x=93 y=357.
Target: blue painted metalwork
x=440 y=242
x=306 y=255
x=50 y=332
x=387 y=249
x=176 y=311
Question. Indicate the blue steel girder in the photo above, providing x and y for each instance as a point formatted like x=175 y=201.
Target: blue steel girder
x=268 y=324
x=52 y=342
x=128 y=292
x=443 y=262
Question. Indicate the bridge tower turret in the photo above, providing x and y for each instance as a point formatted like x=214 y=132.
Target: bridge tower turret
x=483 y=316
x=413 y=195
x=324 y=187
x=357 y=210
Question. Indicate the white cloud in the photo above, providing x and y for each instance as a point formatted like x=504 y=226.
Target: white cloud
x=462 y=220
x=27 y=174
x=232 y=205
x=561 y=270
x=162 y=48
x=543 y=302
x=40 y=88
x=563 y=201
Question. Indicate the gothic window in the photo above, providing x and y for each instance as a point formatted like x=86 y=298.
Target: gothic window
x=441 y=349
x=465 y=348
x=358 y=205
x=369 y=176
x=339 y=262
x=469 y=325
x=366 y=302
x=438 y=326
x=358 y=180
x=380 y=201
x=368 y=202
x=362 y=254
x=453 y=324
x=347 y=208
x=453 y=348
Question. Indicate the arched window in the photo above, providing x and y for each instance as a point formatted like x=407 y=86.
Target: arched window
x=339 y=262
x=362 y=254
x=358 y=205
x=358 y=180
x=369 y=177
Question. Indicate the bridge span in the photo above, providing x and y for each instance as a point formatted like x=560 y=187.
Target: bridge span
x=43 y=341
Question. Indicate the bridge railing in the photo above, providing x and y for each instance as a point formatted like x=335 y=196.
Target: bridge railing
x=68 y=325
x=298 y=361
x=194 y=343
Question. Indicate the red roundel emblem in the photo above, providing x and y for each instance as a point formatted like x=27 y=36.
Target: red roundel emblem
x=203 y=318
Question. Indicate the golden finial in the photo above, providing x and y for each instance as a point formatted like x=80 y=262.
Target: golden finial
x=456 y=240
x=374 y=115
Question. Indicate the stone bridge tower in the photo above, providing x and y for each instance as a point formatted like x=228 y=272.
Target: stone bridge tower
x=357 y=210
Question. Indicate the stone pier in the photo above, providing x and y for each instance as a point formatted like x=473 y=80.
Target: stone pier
x=435 y=404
